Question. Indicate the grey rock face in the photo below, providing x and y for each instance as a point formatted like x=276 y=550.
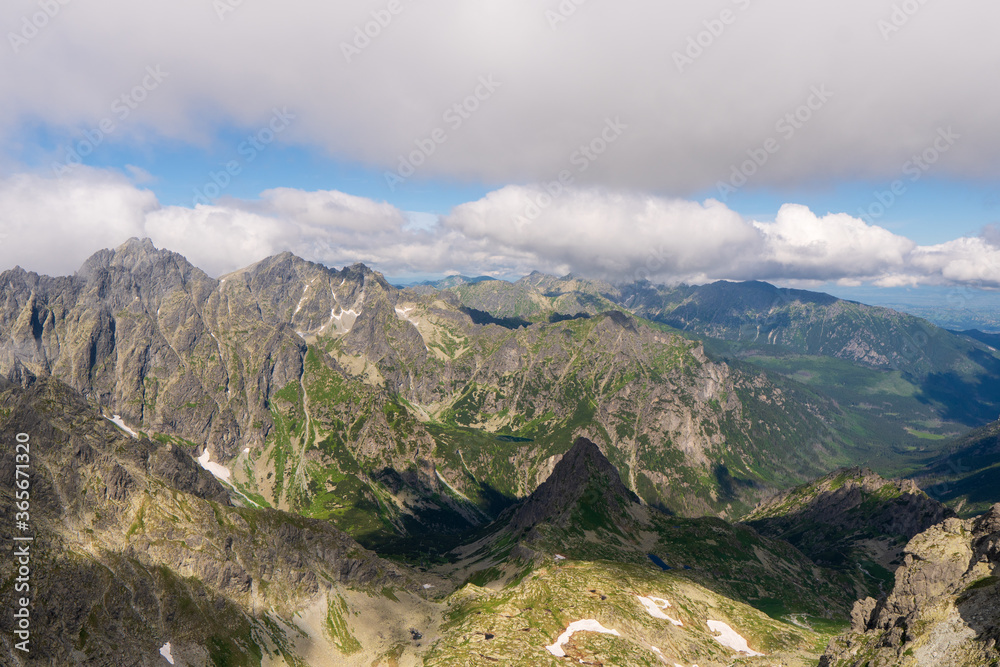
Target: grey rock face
x=151 y=337
x=944 y=608
x=179 y=471
x=135 y=544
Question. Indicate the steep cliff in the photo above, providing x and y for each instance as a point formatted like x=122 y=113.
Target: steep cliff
x=943 y=609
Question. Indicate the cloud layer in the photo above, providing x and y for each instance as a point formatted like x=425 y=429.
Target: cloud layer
x=697 y=84
x=51 y=225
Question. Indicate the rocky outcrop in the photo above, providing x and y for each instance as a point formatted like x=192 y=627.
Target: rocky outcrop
x=180 y=471
x=135 y=545
x=944 y=608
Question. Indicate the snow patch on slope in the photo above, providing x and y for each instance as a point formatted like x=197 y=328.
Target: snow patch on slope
x=450 y=487
x=165 y=652
x=343 y=321
x=586 y=625
x=298 y=306
x=730 y=638
x=117 y=421
x=404 y=313
x=655 y=606
x=220 y=471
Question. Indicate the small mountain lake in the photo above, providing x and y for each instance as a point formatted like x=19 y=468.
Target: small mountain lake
x=658 y=562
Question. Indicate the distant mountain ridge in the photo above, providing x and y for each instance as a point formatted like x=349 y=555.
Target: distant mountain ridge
x=449 y=282
x=957 y=374
x=751 y=311
x=336 y=394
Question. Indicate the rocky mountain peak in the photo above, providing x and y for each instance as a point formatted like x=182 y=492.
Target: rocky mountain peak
x=281 y=275
x=584 y=479
x=138 y=268
x=135 y=244
x=620 y=319
x=129 y=255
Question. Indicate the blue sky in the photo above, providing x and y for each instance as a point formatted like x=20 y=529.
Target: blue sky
x=591 y=138
x=934 y=211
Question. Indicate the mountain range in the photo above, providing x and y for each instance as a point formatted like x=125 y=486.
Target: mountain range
x=255 y=468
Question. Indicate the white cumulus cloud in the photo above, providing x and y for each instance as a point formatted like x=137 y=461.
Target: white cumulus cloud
x=52 y=224
x=800 y=244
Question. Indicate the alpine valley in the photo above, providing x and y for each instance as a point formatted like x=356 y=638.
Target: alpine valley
x=292 y=465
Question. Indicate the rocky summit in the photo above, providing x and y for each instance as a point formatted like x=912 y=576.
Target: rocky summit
x=292 y=465
x=583 y=477
x=944 y=606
